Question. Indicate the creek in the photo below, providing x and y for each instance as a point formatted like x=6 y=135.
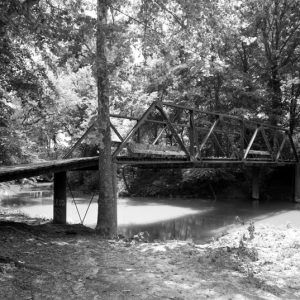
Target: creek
x=169 y=218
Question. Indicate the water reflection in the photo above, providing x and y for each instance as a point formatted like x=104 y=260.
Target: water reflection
x=164 y=219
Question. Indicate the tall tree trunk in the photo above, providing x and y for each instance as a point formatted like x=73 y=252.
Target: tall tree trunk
x=107 y=206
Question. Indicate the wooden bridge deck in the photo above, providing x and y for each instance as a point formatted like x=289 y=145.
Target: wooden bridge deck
x=91 y=163
x=55 y=166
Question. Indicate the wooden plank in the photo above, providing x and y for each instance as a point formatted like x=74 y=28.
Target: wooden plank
x=184 y=163
x=30 y=170
x=259 y=152
x=135 y=148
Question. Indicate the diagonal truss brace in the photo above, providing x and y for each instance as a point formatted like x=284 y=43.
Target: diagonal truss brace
x=172 y=129
x=140 y=122
x=281 y=147
x=251 y=142
x=71 y=150
x=211 y=130
x=287 y=136
x=116 y=131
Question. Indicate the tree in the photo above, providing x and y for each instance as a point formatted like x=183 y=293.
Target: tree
x=107 y=206
x=276 y=26
x=25 y=90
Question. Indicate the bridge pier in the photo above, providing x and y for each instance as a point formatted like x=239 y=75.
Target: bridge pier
x=255 y=174
x=297 y=183
x=60 y=198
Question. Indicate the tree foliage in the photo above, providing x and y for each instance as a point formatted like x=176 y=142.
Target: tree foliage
x=240 y=57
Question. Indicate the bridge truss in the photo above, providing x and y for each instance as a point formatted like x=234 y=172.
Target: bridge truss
x=178 y=133
x=170 y=134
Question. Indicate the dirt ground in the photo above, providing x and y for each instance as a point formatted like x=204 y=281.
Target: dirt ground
x=39 y=260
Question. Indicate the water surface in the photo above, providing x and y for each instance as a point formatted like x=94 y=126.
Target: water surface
x=196 y=219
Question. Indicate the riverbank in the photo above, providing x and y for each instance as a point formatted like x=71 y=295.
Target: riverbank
x=48 y=261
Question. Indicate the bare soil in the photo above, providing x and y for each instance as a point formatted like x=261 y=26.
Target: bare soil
x=39 y=260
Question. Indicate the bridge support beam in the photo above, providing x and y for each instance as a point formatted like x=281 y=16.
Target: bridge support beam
x=60 y=198
x=255 y=174
x=297 y=183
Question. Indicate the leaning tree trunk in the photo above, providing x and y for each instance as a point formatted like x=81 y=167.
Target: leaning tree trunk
x=107 y=206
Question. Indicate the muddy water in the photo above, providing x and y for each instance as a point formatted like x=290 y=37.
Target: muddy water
x=196 y=219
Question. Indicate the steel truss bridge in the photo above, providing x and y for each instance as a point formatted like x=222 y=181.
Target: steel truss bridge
x=175 y=136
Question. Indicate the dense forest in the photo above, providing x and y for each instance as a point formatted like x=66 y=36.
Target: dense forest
x=239 y=57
